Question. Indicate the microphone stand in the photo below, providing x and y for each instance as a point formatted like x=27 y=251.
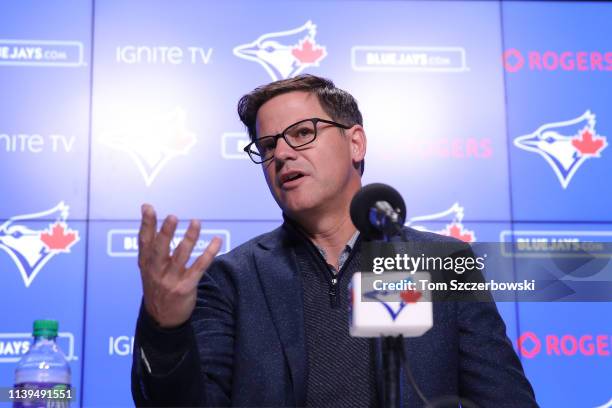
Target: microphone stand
x=392 y=347
x=391 y=356
x=393 y=353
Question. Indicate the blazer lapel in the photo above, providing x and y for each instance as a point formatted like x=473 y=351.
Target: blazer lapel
x=282 y=285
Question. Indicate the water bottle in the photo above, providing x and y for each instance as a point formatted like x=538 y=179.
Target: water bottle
x=42 y=377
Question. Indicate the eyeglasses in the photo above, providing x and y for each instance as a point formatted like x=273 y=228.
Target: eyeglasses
x=297 y=135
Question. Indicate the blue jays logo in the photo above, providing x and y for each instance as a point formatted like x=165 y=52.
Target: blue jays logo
x=151 y=141
x=388 y=299
x=452 y=217
x=565 y=145
x=30 y=248
x=284 y=54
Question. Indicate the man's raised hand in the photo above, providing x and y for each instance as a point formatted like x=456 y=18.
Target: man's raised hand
x=169 y=285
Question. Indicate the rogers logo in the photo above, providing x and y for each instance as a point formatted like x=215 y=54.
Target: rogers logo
x=515 y=60
x=530 y=345
x=442 y=148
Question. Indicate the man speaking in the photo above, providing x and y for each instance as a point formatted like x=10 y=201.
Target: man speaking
x=267 y=323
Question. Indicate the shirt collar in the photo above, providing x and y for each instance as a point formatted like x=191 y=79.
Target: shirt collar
x=347 y=248
x=343 y=255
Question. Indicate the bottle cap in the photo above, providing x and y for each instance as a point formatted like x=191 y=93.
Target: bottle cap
x=45 y=328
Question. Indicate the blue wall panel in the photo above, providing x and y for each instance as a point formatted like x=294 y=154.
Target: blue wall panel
x=559 y=74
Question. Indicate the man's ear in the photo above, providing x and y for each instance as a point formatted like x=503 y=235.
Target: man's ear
x=358 y=141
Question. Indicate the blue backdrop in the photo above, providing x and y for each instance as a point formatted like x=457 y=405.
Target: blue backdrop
x=109 y=104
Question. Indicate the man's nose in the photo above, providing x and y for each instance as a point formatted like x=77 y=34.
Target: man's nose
x=283 y=151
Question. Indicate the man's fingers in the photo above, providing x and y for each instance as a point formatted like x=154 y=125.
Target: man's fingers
x=203 y=262
x=161 y=246
x=146 y=235
x=183 y=250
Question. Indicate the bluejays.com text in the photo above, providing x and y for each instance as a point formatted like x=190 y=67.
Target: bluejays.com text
x=406 y=263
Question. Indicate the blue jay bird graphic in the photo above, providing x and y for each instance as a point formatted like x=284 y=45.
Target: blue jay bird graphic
x=565 y=145
x=284 y=54
x=32 y=248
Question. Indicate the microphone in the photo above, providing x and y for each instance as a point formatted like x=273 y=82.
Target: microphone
x=378 y=211
x=391 y=305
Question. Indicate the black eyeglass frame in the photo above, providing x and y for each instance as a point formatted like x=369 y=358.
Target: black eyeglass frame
x=314 y=121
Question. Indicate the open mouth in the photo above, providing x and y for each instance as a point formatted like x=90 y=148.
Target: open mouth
x=291 y=177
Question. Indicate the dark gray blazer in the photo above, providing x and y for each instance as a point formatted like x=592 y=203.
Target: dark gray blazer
x=245 y=342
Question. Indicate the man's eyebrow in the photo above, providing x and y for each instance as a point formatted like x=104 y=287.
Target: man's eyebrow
x=272 y=134
x=266 y=135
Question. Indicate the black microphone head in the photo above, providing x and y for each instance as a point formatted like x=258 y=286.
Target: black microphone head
x=366 y=198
